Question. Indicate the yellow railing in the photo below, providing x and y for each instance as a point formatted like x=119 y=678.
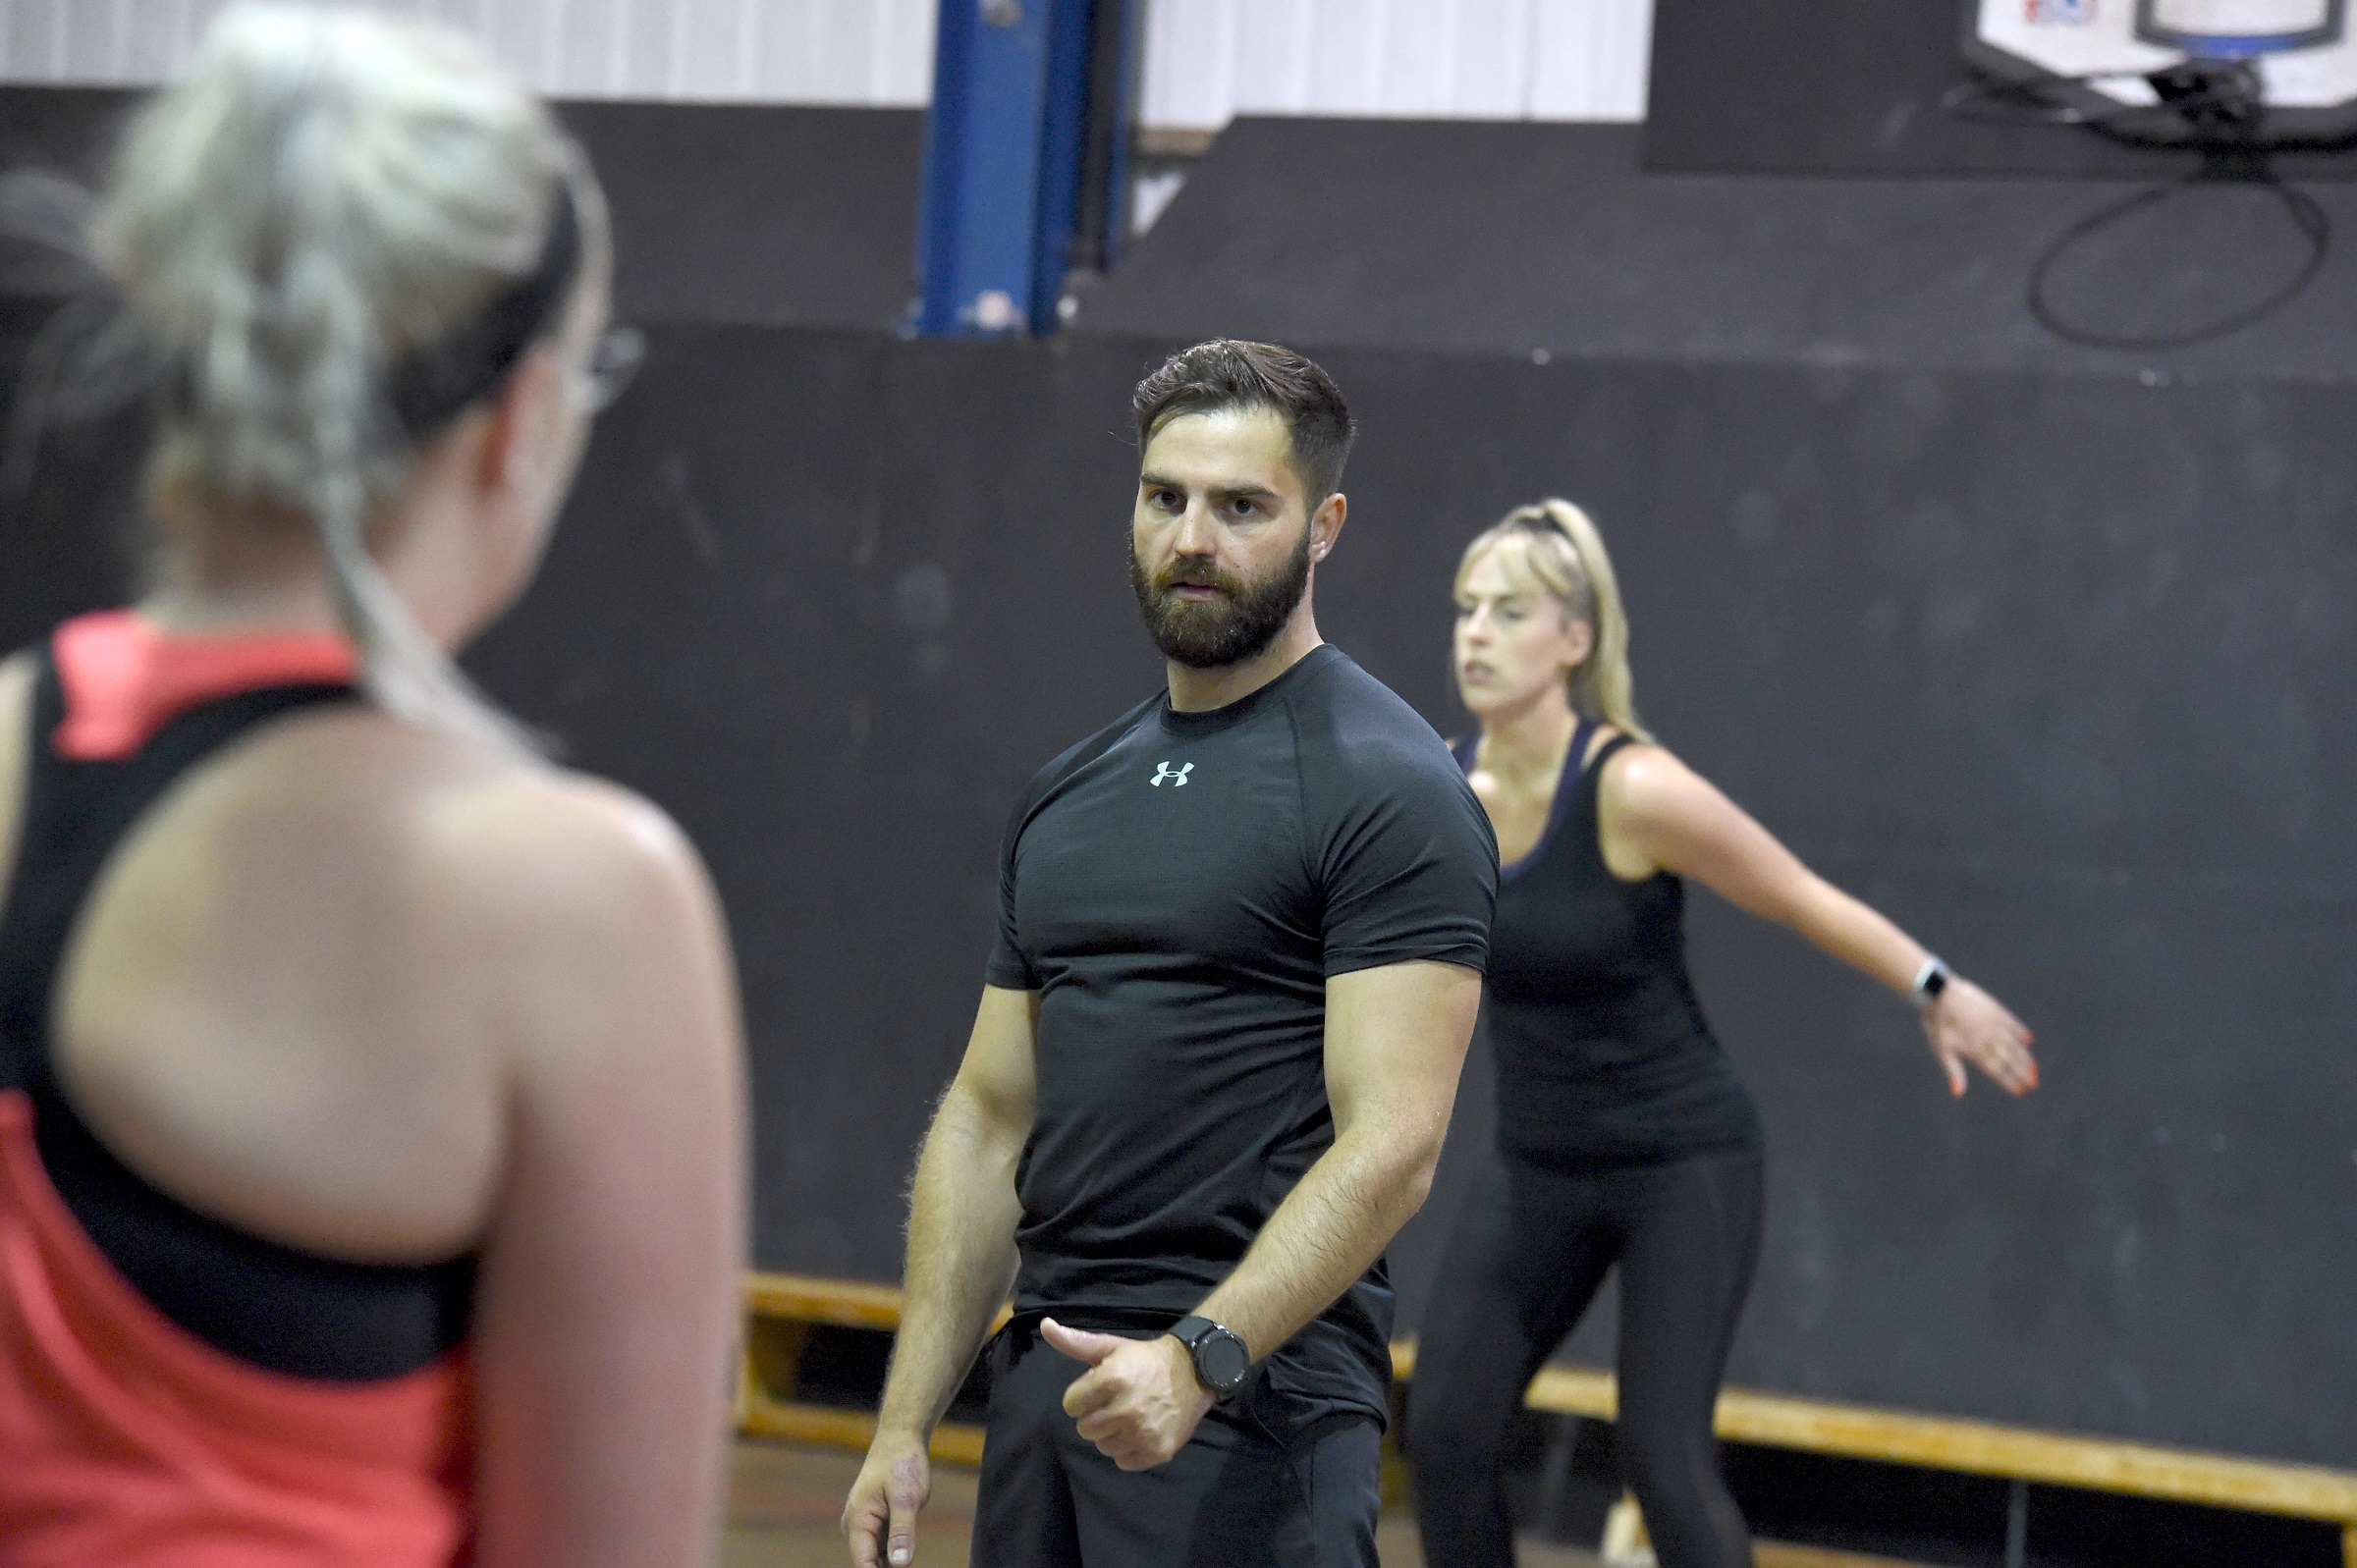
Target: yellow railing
x=782 y=1309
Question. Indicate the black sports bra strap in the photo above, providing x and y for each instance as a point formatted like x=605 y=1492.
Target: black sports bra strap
x=1607 y=751
x=1468 y=750
x=73 y=815
x=254 y=1299
x=1582 y=738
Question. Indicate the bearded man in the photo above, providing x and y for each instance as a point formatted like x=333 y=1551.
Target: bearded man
x=1240 y=938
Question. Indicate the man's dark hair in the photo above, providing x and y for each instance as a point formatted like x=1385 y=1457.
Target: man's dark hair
x=1228 y=374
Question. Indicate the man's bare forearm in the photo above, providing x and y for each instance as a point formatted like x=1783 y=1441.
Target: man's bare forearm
x=961 y=1219
x=1328 y=1232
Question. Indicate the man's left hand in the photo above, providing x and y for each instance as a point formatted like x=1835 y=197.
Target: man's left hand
x=1139 y=1400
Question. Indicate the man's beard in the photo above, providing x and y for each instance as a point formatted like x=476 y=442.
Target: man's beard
x=1207 y=633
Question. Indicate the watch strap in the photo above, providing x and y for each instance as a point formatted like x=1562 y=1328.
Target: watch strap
x=1196 y=1333
x=1191 y=1331
x=1930 y=982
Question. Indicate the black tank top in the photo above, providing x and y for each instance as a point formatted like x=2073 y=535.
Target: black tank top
x=1602 y=1055
x=273 y=1306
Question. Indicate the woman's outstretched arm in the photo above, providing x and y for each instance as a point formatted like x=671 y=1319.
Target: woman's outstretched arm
x=1657 y=814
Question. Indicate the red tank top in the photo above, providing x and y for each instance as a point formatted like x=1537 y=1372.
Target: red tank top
x=126 y=1441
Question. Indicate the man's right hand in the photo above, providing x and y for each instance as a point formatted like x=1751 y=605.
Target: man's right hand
x=880 y=1515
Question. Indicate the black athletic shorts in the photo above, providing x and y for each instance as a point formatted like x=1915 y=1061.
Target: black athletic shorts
x=1237 y=1495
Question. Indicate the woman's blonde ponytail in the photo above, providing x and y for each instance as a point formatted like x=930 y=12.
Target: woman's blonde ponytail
x=1562 y=548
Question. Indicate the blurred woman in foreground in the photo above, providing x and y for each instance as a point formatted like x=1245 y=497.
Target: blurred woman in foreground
x=370 y=1115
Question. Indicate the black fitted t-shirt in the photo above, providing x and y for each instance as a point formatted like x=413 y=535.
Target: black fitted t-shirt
x=1179 y=888
x=1604 y=1058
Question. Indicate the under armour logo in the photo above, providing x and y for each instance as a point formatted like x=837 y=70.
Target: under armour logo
x=1176 y=776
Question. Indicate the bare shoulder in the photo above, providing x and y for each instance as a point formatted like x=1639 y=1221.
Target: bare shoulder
x=1650 y=803
x=579 y=919
x=1645 y=778
x=476 y=854
x=564 y=854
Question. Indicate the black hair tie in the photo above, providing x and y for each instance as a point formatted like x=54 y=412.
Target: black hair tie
x=430 y=387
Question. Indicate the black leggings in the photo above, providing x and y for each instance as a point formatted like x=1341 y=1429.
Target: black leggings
x=1530 y=1247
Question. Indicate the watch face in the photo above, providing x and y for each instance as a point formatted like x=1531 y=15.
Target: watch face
x=1223 y=1361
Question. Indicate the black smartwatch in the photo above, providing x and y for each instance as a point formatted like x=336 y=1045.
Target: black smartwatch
x=1223 y=1364
x=1930 y=982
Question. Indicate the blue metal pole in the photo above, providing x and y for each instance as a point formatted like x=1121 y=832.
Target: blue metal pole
x=1005 y=158
x=982 y=167
x=1123 y=113
x=1064 y=114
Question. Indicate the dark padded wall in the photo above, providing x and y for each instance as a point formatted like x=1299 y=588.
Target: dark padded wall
x=832 y=599
x=2051 y=666
x=1849 y=87
x=786 y=216
x=725 y=212
x=2053 y=670
x=1550 y=240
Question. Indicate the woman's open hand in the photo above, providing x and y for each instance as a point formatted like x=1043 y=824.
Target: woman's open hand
x=1967 y=1024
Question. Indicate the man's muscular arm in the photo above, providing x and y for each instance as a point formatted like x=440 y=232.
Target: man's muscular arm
x=1396 y=1040
x=962 y=1217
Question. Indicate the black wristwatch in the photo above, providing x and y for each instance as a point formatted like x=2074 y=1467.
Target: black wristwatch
x=1223 y=1363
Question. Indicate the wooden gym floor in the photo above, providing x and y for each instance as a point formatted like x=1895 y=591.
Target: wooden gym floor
x=786 y=1500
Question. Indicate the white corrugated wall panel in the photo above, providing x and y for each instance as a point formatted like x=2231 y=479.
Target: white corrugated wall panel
x=902 y=67
x=1490 y=73
x=876 y=52
x=1262 y=57
x=1591 y=59
x=706 y=43
x=1417 y=62
x=26 y=32
x=583 y=45
x=94 y=33
x=1346 y=43
x=1205 y=60
x=822 y=51
x=645 y=51
x=1192 y=58
x=150 y=36
x=1210 y=60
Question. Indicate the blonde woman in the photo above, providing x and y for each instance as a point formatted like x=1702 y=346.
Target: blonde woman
x=370 y=1126
x=1624 y=1133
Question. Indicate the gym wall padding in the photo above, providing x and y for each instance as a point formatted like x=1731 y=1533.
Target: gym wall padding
x=2047 y=659
x=778 y=214
x=2053 y=670
x=1551 y=239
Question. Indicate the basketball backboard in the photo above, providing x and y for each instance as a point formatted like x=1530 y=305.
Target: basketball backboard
x=2094 y=54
